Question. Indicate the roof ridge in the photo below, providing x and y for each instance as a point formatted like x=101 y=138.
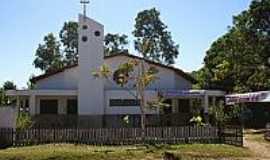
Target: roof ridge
x=179 y=71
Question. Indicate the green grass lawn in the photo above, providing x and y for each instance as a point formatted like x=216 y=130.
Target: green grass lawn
x=83 y=152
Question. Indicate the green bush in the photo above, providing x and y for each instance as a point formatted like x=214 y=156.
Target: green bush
x=197 y=120
x=24 y=121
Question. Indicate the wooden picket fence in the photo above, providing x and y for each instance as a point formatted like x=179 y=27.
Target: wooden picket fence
x=122 y=136
x=267 y=132
x=232 y=135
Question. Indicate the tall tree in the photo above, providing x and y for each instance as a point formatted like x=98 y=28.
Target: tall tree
x=239 y=60
x=149 y=27
x=135 y=76
x=48 y=55
x=69 y=38
x=115 y=43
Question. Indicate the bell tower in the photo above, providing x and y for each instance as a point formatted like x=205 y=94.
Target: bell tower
x=91 y=57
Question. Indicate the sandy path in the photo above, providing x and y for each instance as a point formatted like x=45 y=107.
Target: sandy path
x=260 y=148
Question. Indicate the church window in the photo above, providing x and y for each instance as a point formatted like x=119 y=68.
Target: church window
x=124 y=102
x=85 y=27
x=97 y=33
x=84 y=38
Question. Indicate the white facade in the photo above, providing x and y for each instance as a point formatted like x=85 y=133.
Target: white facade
x=69 y=78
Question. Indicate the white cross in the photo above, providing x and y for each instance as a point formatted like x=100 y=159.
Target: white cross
x=84 y=3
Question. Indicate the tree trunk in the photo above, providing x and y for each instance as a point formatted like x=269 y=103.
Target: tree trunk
x=143 y=117
x=142 y=101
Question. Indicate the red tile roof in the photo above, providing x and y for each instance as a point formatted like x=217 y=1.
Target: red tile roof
x=178 y=71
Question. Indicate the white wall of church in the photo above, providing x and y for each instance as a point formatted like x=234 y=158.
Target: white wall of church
x=167 y=79
x=182 y=83
x=67 y=79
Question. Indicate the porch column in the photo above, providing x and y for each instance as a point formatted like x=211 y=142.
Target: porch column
x=18 y=104
x=206 y=108
x=32 y=104
x=62 y=106
x=214 y=101
x=175 y=105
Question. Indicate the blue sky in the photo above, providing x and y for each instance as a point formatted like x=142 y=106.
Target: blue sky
x=194 y=24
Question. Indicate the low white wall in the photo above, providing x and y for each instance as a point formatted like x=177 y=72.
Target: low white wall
x=8 y=117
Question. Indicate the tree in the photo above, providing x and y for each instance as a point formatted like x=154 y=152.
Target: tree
x=115 y=43
x=69 y=38
x=239 y=60
x=149 y=27
x=134 y=75
x=48 y=55
x=31 y=85
x=2 y=96
x=8 y=85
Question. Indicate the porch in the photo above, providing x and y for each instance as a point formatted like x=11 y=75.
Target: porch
x=59 y=108
x=190 y=101
x=43 y=102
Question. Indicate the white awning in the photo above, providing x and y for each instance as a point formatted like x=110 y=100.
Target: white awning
x=262 y=96
x=190 y=93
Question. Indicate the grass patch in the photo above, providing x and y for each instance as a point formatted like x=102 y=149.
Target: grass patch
x=83 y=152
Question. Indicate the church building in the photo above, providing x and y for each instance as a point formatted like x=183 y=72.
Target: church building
x=74 y=92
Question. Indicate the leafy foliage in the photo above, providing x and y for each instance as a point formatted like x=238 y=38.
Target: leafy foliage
x=69 y=38
x=230 y=114
x=239 y=60
x=218 y=114
x=115 y=43
x=24 y=121
x=48 y=55
x=197 y=120
x=8 y=85
x=2 y=97
x=150 y=28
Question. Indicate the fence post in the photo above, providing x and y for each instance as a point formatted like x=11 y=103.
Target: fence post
x=220 y=134
x=267 y=133
x=13 y=136
x=54 y=134
x=187 y=134
x=242 y=135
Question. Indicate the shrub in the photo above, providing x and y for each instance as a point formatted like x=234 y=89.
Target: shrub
x=24 y=121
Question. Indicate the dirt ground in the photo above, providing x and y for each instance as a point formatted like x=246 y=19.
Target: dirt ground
x=254 y=140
